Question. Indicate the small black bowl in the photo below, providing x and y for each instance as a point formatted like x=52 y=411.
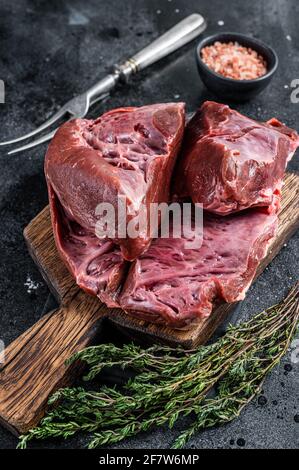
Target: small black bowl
x=228 y=88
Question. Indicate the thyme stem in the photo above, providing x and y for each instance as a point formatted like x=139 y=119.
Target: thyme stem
x=170 y=383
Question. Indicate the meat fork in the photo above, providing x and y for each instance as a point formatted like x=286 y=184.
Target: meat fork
x=182 y=33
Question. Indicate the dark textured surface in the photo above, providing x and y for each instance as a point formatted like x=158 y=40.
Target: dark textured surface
x=52 y=50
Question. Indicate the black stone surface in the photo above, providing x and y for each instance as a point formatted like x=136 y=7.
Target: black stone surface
x=51 y=50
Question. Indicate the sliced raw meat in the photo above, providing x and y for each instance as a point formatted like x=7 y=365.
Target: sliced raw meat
x=230 y=162
x=172 y=285
x=128 y=152
x=97 y=265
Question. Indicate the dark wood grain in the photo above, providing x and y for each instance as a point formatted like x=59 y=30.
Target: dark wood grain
x=35 y=362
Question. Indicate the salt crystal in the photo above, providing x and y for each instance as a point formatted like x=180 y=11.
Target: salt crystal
x=31 y=285
x=159 y=12
x=288 y=37
x=220 y=23
x=233 y=60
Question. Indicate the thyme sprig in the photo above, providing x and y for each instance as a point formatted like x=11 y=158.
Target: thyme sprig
x=171 y=383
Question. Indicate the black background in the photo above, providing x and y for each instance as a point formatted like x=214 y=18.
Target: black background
x=51 y=50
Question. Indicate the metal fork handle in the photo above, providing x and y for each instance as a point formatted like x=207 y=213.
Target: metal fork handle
x=176 y=37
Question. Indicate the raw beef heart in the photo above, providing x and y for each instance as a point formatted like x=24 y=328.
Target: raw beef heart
x=173 y=285
x=128 y=152
x=97 y=265
x=230 y=162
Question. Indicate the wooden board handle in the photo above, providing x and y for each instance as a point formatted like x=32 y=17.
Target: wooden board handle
x=34 y=364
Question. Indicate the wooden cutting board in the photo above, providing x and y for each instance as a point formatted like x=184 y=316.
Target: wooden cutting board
x=35 y=362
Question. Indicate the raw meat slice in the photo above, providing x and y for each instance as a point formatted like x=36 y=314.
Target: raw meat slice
x=172 y=285
x=97 y=265
x=128 y=152
x=230 y=162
